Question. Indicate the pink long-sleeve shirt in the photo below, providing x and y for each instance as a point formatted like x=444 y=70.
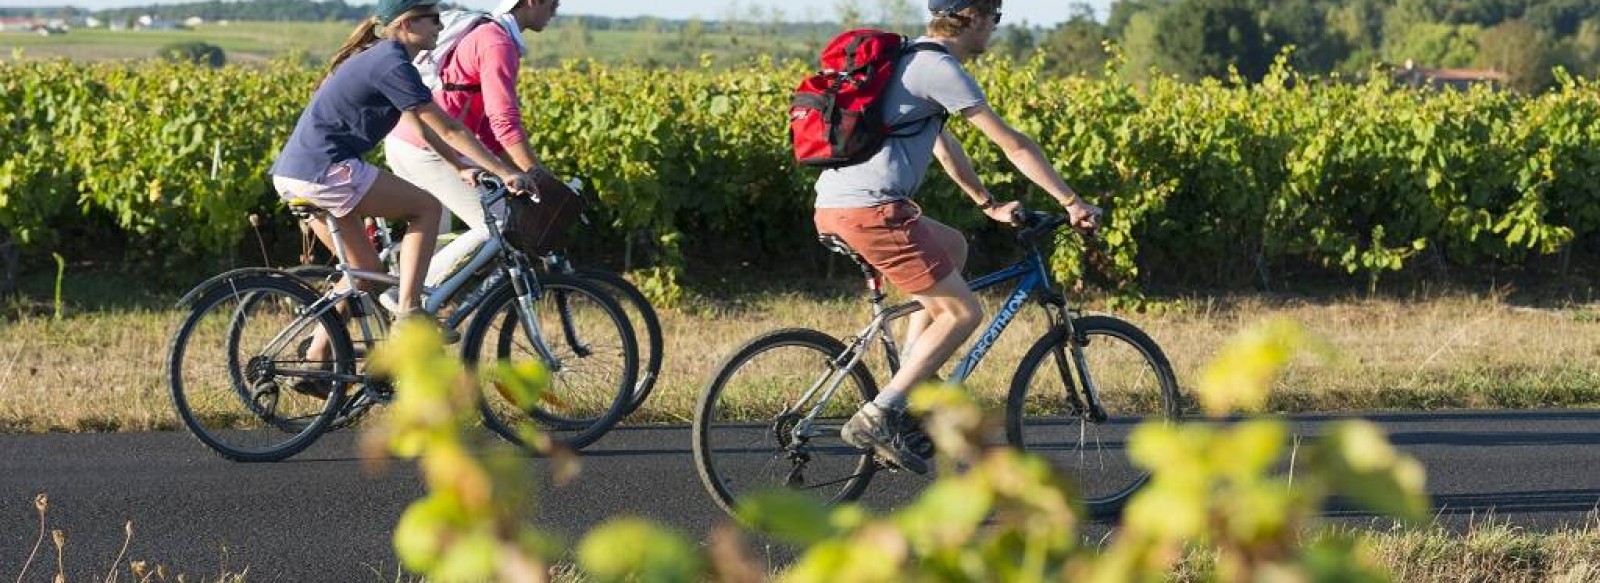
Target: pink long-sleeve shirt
x=487 y=57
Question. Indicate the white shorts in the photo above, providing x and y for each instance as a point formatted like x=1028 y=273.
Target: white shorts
x=338 y=191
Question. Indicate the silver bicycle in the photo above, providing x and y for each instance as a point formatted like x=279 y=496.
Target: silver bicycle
x=242 y=383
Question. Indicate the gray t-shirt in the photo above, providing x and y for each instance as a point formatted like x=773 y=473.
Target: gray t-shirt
x=928 y=83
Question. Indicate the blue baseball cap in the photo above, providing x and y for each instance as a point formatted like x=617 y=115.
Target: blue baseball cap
x=948 y=7
x=388 y=10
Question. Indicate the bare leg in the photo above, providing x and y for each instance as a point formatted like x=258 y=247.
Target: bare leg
x=389 y=197
x=359 y=254
x=955 y=244
x=953 y=313
x=395 y=198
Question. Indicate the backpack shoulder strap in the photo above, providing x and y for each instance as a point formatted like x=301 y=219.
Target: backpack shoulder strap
x=471 y=22
x=899 y=130
x=925 y=46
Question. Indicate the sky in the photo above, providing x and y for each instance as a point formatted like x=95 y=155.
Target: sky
x=1037 y=12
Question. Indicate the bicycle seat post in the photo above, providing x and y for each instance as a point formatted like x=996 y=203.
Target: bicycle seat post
x=874 y=280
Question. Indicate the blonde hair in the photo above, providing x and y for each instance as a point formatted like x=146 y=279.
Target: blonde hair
x=365 y=35
x=952 y=25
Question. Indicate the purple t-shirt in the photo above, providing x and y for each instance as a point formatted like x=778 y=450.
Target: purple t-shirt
x=352 y=111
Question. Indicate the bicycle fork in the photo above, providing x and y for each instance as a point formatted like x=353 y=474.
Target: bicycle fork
x=526 y=291
x=1086 y=401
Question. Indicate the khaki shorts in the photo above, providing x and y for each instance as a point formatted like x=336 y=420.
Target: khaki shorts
x=338 y=191
x=896 y=239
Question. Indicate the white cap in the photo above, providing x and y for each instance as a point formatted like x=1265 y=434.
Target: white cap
x=505 y=6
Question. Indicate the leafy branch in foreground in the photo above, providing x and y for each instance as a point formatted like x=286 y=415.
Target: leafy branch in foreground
x=994 y=514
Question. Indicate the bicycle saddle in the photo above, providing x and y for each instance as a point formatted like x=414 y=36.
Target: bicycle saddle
x=836 y=244
x=304 y=208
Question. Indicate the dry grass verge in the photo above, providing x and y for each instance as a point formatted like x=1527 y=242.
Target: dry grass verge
x=104 y=371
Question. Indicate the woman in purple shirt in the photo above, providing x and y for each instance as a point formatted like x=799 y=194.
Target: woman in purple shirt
x=370 y=86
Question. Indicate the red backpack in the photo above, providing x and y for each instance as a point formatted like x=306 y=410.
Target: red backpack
x=835 y=116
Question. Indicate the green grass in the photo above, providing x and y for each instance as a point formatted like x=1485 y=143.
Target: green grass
x=102 y=367
x=243 y=42
x=250 y=42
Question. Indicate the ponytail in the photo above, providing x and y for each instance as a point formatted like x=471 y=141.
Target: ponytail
x=362 y=37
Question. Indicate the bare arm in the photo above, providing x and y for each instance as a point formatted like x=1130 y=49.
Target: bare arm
x=955 y=162
x=1026 y=156
x=444 y=150
x=456 y=136
x=521 y=154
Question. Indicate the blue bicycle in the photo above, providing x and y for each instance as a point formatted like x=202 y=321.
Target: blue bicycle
x=770 y=416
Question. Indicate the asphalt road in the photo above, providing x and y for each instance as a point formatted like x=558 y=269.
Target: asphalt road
x=321 y=517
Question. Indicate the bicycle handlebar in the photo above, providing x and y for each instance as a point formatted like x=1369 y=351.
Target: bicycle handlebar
x=1034 y=224
x=488 y=180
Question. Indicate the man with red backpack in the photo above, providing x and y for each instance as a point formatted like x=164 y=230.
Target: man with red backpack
x=865 y=197
x=473 y=74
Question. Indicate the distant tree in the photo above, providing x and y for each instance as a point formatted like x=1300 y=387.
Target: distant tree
x=692 y=39
x=1014 y=42
x=1581 y=52
x=1305 y=25
x=1359 y=23
x=1561 y=18
x=1122 y=12
x=1077 y=45
x=1432 y=45
x=650 y=29
x=575 y=38
x=1519 y=50
x=1141 y=45
x=199 y=53
x=1202 y=38
x=899 y=15
x=849 y=13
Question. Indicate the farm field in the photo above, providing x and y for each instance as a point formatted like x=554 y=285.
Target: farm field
x=255 y=42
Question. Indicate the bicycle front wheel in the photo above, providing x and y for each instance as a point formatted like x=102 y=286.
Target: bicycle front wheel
x=750 y=428
x=596 y=359
x=1047 y=412
x=647 y=330
x=238 y=379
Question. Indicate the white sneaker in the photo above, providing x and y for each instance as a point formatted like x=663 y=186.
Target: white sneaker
x=390 y=300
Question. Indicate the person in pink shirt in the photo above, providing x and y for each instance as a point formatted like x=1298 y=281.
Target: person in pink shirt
x=476 y=83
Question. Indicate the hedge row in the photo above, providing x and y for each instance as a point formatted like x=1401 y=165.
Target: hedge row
x=1212 y=179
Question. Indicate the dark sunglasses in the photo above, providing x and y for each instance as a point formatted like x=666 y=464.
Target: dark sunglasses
x=434 y=16
x=996 y=17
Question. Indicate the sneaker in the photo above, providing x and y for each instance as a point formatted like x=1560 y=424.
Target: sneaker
x=914 y=436
x=878 y=430
x=390 y=299
x=315 y=388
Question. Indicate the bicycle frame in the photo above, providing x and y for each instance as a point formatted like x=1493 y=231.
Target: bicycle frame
x=1033 y=281
x=516 y=268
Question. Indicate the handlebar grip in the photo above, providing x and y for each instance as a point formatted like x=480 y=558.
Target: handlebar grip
x=488 y=180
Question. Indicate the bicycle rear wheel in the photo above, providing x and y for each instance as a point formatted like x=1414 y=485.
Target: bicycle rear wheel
x=647 y=330
x=744 y=424
x=1045 y=413
x=234 y=364
x=586 y=331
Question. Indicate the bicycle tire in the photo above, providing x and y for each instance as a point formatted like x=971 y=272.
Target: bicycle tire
x=186 y=380
x=1032 y=419
x=553 y=415
x=629 y=296
x=716 y=471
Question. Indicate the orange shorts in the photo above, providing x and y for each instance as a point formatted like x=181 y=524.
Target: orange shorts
x=896 y=239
